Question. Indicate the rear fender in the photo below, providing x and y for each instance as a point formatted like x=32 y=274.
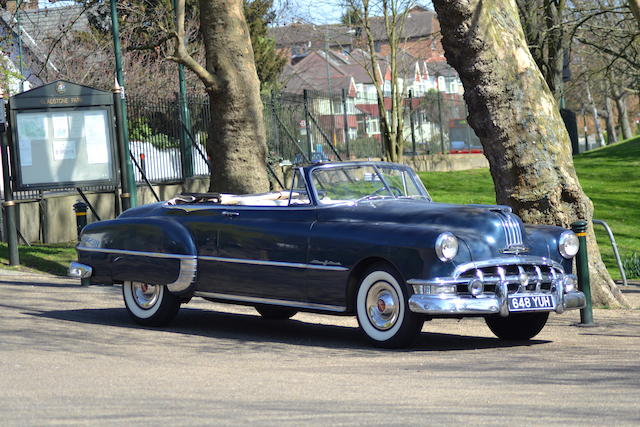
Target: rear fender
x=150 y=250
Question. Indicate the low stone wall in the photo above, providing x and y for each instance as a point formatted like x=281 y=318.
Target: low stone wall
x=53 y=220
x=447 y=162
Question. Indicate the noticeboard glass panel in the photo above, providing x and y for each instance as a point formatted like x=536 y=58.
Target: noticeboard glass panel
x=62 y=147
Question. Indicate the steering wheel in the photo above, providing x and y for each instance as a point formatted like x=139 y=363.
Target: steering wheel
x=394 y=190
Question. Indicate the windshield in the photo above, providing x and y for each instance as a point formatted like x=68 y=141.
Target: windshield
x=356 y=183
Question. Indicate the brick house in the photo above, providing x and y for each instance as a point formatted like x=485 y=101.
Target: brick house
x=329 y=59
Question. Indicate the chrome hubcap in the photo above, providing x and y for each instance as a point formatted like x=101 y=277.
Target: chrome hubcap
x=383 y=305
x=145 y=295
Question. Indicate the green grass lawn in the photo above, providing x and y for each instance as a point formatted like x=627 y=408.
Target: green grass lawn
x=52 y=259
x=610 y=176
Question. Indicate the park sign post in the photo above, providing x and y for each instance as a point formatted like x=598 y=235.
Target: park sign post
x=63 y=136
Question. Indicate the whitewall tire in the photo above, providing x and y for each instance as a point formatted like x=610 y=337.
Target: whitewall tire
x=382 y=309
x=149 y=305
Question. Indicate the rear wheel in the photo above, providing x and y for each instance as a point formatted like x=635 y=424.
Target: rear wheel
x=273 y=312
x=517 y=326
x=383 y=311
x=149 y=305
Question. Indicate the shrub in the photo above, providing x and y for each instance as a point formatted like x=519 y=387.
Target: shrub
x=139 y=130
x=364 y=146
x=631 y=265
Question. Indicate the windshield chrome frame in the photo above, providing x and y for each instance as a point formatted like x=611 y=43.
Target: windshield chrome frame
x=375 y=165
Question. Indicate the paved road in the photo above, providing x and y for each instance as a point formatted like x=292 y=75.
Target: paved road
x=70 y=355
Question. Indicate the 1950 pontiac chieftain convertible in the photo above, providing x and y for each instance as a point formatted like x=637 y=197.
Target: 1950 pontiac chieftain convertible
x=359 y=238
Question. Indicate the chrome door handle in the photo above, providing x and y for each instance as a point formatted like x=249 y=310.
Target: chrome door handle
x=230 y=213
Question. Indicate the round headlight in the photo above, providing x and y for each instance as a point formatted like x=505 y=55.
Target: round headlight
x=446 y=246
x=568 y=244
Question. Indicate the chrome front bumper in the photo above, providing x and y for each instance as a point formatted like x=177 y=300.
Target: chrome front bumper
x=484 y=287
x=452 y=305
x=80 y=271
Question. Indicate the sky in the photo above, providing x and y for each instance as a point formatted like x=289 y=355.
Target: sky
x=315 y=11
x=59 y=3
x=312 y=11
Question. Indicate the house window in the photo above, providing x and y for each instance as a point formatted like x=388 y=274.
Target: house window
x=373 y=126
x=351 y=106
x=377 y=45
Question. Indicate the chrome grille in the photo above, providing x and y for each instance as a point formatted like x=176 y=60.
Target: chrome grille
x=512 y=231
x=520 y=278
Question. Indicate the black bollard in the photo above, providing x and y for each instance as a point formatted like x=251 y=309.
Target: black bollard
x=80 y=209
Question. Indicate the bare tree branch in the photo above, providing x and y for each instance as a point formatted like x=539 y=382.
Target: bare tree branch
x=182 y=56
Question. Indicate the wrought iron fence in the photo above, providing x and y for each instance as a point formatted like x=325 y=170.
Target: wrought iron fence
x=166 y=146
x=311 y=126
x=316 y=126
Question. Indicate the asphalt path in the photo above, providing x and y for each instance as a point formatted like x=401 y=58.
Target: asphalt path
x=70 y=355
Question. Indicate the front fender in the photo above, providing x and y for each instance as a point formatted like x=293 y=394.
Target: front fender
x=150 y=250
x=543 y=241
x=409 y=247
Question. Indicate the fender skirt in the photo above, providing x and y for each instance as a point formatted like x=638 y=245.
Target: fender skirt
x=149 y=250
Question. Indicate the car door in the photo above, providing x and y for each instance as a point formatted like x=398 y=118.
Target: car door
x=261 y=252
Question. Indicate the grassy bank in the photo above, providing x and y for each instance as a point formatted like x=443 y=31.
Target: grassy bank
x=53 y=259
x=610 y=176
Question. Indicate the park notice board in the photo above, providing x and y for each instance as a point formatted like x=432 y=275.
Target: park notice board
x=63 y=136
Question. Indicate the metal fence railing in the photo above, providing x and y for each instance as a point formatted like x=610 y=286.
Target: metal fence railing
x=311 y=126
x=331 y=126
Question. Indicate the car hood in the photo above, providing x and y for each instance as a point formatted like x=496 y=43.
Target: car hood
x=487 y=230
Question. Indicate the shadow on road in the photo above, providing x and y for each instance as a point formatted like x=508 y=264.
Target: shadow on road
x=248 y=328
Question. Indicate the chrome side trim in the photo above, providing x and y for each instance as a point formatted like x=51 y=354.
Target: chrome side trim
x=213 y=258
x=188 y=269
x=256 y=300
x=188 y=265
x=135 y=253
x=273 y=263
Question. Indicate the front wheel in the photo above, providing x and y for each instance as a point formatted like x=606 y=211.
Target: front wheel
x=383 y=311
x=149 y=305
x=517 y=326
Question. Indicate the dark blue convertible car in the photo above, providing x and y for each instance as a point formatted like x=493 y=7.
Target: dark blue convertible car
x=358 y=238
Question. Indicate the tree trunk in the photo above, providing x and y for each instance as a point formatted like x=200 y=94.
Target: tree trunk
x=596 y=120
x=623 y=116
x=544 y=29
x=237 y=137
x=634 y=5
x=518 y=121
x=612 y=135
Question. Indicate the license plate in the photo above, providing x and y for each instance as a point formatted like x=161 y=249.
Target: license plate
x=531 y=302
